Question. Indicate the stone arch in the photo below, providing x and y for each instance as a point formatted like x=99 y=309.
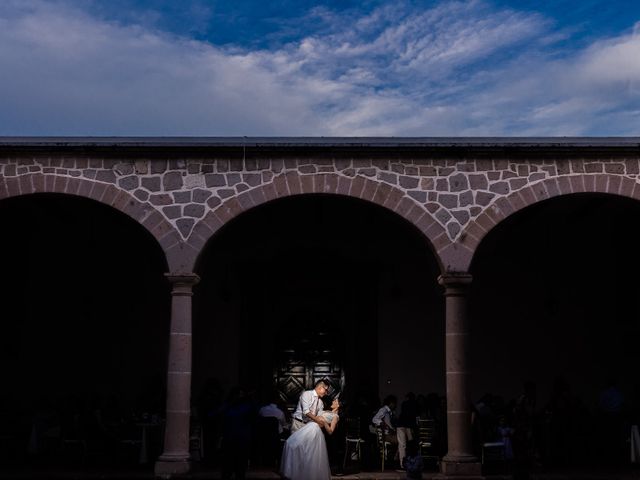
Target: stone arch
x=293 y=183
x=142 y=212
x=506 y=206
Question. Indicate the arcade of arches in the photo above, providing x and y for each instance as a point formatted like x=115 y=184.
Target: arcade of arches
x=137 y=273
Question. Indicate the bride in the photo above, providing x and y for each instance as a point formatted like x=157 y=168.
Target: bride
x=305 y=451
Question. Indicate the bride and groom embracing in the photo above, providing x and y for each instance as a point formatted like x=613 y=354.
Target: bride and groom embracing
x=305 y=451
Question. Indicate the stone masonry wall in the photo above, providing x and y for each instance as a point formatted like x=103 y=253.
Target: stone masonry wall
x=454 y=195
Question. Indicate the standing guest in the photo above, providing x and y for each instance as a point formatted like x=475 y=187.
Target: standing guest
x=423 y=408
x=612 y=429
x=506 y=432
x=209 y=405
x=406 y=423
x=611 y=398
x=558 y=414
x=237 y=417
x=522 y=438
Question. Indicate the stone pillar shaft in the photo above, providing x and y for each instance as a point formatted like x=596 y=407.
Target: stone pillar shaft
x=175 y=457
x=459 y=458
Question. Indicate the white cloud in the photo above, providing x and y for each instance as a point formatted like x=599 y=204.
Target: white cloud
x=460 y=68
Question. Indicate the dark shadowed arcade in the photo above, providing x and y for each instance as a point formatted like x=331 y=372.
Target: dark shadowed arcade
x=319 y=281
x=554 y=305
x=85 y=320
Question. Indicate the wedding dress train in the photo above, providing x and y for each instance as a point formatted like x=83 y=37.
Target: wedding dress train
x=305 y=455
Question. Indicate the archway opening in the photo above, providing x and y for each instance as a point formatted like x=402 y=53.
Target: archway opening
x=318 y=286
x=85 y=328
x=554 y=304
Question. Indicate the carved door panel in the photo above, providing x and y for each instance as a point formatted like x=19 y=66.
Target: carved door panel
x=295 y=376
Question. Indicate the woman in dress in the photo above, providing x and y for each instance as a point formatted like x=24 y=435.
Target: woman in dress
x=305 y=451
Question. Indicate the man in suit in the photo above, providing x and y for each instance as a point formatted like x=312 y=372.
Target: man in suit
x=310 y=406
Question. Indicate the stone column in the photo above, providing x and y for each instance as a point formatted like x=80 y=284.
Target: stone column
x=175 y=458
x=459 y=459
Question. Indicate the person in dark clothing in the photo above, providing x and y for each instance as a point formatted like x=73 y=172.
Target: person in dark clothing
x=237 y=418
x=209 y=406
x=522 y=439
x=406 y=423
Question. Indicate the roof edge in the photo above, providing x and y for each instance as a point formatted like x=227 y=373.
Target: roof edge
x=319 y=142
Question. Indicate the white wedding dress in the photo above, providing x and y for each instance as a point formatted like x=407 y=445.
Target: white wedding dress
x=305 y=453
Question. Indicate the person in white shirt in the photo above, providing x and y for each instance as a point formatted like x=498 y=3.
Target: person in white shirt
x=272 y=410
x=305 y=455
x=310 y=407
x=384 y=419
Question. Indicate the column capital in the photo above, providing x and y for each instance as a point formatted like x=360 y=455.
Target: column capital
x=455 y=280
x=182 y=279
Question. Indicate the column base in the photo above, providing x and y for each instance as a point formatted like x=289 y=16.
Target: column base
x=466 y=466
x=169 y=468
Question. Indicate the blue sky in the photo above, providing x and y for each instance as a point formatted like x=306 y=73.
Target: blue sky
x=341 y=68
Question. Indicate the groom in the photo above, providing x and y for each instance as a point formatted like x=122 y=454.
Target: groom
x=310 y=406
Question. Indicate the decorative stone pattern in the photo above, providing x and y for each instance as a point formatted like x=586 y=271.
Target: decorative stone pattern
x=453 y=201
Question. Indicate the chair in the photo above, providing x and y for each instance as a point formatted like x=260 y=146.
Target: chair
x=129 y=447
x=196 y=440
x=427 y=438
x=8 y=438
x=72 y=438
x=352 y=439
x=383 y=446
x=268 y=444
x=493 y=453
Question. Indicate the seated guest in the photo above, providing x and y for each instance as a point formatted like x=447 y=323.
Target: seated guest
x=384 y=419
x=272 y=410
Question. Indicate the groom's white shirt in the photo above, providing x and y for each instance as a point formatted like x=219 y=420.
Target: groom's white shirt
x=309 y=402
